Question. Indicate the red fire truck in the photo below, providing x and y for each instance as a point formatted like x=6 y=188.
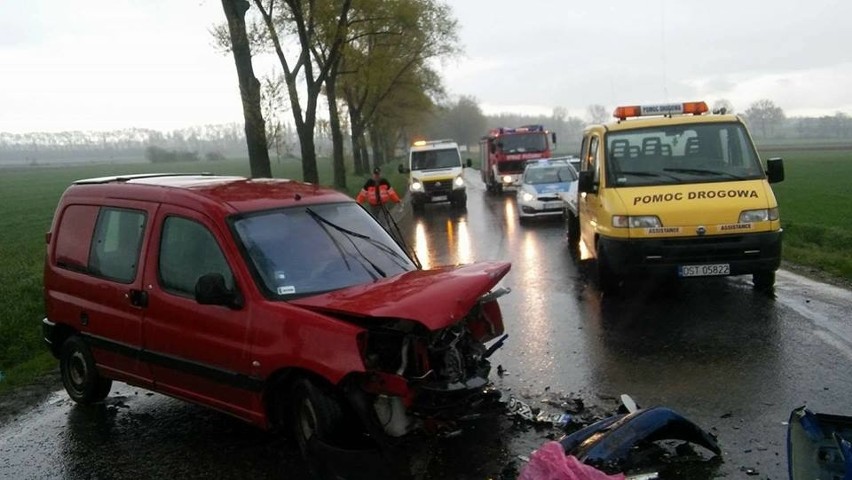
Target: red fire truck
x=506 y=151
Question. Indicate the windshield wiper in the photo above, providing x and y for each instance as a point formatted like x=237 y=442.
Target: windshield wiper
x=647 y=174
x=349 y=233
x=321 y=221
x=702 y=171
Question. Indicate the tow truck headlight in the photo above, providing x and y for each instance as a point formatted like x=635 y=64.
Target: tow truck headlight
x=641 y=221
x=458 y=182
x=507 y=179
x=761 y=215
x=527 y=196
x=416 y=186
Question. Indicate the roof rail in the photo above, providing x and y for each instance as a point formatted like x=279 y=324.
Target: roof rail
x=126 y=178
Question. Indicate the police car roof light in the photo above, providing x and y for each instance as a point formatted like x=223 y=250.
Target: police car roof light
x=694 y=108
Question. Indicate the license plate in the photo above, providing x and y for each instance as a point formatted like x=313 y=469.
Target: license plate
x=713 y=270
x=439 y=198
x=552 y=205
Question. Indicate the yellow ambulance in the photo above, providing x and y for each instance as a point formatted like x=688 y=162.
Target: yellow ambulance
x=674 y=190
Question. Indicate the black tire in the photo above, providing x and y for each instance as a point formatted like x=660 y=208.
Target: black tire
x=314 y=412
x=572 y=232
x=523 y=220
x=608 y=281
x=763 y=281
x=459 y=201
x=417 y=207
x=80 y=375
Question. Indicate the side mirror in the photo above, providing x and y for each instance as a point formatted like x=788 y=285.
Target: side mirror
x=585 y=182
x=402 y=169
x=210 y=290
x=492 y=147
x=469 y=162
x=553 y=137
x=775 y=170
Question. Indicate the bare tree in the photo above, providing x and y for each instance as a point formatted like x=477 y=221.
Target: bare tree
x=765 y=115
x=722 y=106
x=235 y=11
x=597 y=113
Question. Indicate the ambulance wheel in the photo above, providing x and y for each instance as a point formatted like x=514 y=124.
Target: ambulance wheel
x=608 y=281
x=80 y=375
x=763 y=281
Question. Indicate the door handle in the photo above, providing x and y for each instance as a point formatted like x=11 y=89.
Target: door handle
x=138 y=298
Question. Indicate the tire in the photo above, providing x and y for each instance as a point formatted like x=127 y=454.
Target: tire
x=763 y=281
x=572 y=232
x=80 y=375
x=607 y=280
x=314 y=412
x=459 y=202
x=523 y=220
x=417 y=207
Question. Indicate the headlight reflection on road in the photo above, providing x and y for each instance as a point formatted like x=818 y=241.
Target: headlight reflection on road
x=510 y=215
x=465 y=252
x=421 y=245
x=536 y=313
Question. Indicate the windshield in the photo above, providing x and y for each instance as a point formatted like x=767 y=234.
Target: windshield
x=711 y=152
x=523 y=142
x=549 y=174
x=306 y=250
x=431 y=159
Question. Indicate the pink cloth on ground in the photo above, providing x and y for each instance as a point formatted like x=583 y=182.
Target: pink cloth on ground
x=549 y=462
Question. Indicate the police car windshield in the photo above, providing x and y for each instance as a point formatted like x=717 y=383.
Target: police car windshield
x=710 y=152
x=524 y=142
x=294 y=254
x=432 y=159
x=538 y=175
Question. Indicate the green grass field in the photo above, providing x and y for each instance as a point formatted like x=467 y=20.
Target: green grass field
x=815 y=201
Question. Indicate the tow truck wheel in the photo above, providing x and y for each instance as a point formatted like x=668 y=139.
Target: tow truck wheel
x=314 y=413
x=572 y=232
x=607 y=279
x=763 y=281
x=80 y=375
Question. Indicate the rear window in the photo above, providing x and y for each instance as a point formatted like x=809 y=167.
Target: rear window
x=74 y=237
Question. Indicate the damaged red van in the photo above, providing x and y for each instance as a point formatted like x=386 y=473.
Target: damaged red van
x=278 y=302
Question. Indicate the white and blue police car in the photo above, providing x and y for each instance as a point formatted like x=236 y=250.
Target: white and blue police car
x=543 y=186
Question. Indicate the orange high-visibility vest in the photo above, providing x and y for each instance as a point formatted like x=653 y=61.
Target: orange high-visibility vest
x=377 y=192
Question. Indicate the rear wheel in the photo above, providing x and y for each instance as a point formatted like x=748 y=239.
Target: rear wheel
x=80 y=375
x=763 y=281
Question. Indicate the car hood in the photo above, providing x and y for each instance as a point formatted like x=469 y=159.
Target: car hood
x=435 y=298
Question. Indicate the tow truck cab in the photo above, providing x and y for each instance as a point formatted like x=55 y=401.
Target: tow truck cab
x=674 y=190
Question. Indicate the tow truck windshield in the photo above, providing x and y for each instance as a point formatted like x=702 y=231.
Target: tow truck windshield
x=711 y=152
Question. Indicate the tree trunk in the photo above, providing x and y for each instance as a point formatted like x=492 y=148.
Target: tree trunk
x=258 y=149
x=336 y=134
x=360 y=160
x=376 y=145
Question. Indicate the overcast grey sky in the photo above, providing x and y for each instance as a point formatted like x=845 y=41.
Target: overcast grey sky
x=104 y=64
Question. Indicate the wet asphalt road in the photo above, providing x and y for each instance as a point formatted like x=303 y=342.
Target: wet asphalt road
x=734 y=361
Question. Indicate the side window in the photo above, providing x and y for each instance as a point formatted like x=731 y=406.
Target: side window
x=584 y=154
x=593 y=158
x=187 y=251
x=115 y=245
x=74 y=237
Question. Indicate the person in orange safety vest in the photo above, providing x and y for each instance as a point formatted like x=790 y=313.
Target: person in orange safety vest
x=377 y=191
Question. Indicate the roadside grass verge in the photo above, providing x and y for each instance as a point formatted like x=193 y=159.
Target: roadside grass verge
x=815 y=203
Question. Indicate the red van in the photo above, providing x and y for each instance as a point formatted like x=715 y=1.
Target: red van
x=275 y=301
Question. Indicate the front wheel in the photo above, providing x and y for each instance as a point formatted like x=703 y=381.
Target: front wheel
x=572 y=232
x=763 y=281
x=80 y=375
x=608 y=281
x=314 y=413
